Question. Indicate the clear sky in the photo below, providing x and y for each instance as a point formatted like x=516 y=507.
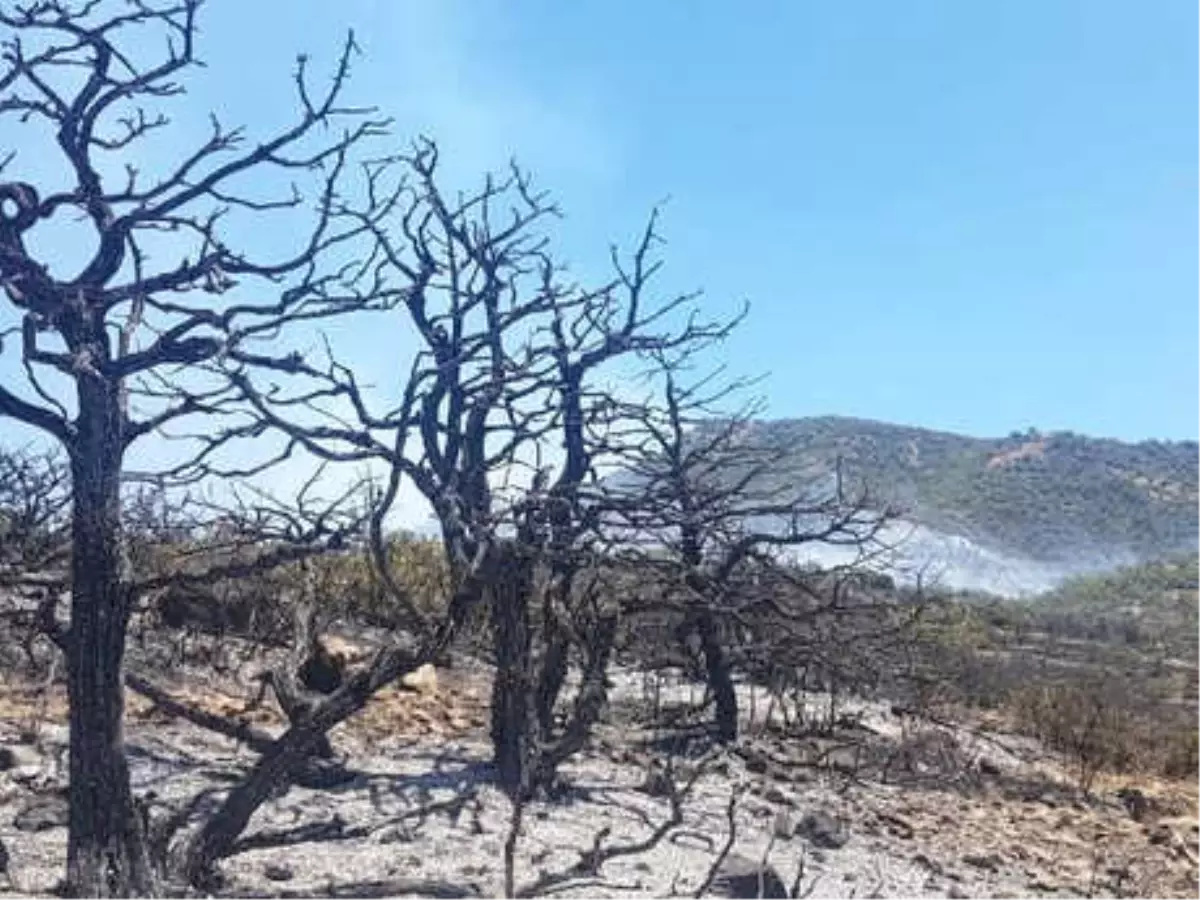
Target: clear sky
x=968 y=216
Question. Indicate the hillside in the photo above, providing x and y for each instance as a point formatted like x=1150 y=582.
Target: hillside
x=1015 y=514
x=1152 y=606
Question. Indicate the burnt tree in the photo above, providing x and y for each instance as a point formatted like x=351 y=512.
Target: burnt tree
x=507 y=416
x=713 y=505
x=118 y=348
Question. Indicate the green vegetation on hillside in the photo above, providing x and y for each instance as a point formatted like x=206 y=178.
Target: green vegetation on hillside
x=1153 y=606
x=1055 y=497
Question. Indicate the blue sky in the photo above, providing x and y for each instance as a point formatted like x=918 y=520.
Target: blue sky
x=968 y=216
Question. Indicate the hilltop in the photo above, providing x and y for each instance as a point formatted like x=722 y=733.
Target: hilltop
x=1016 y=514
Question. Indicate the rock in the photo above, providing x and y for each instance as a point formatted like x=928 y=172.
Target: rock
x=823 y=830
x=42 y=814
x=657 y=783
x=756 y=764
x=932 y=865
x=27 y=775
x=3 y=858
x=1135 y=803
x=784 y=825
x=1160 y=835
x=775 y=795
x=741 y=877
x=990 y=862
x=19 y=758
x=275 y=871
x=395 y=834
x=423 y=679
x=989 y=768
x=898 y=826
x=957 y=893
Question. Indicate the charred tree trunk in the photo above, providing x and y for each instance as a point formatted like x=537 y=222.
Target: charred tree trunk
x=220 y=832
x=719 y=677
x=555 y=660
x=589 y=704
x=717 y=671
x=106 y=849
x=514 y=712
x=217 y=836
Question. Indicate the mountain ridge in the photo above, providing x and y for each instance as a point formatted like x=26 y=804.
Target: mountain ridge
x=1026 y=510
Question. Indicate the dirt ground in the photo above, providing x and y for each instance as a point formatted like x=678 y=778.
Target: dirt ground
x=949 y=815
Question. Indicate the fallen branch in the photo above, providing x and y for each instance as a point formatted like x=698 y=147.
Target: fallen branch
x=402 y=887
x=254 y=738
x=592 y=860
x=730 y=839
x=314 y=832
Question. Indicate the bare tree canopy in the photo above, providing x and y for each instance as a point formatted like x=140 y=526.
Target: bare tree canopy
x=130 y=343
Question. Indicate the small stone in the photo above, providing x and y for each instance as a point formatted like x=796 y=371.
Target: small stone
x=1160 y=835
x=989 y=768
x=26 y=775
x=756 y=764
x=278 y=872
x=823 y=830
x=898 y=826
x=42 y=814
x=990 y=862
x=657 y=783
x=396 y=834
x=775 y=795
x=784 y=825
x=1135 y=803
x=19 y=759
x=932 y=865
x=423 y=679
x=957 y=893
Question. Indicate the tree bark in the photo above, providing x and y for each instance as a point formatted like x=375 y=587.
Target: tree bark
x=589 y=704
x=219 y=833
x=106 y=847
x=719 y=677
x=514 y=709
x=555 y=660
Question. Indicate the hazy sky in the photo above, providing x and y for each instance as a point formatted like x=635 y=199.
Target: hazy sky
x=969 y=216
